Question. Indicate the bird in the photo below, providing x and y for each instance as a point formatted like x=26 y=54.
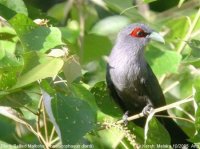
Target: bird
x=132 y=83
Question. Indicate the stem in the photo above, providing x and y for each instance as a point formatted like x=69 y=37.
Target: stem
x=45 y=123
x=143 y=9
x=52 y=134
x=21 y=121
x=80 y=5
x=188 y=35
x=170 y=87
x=175 y=117
x=19 y=104
x=55 y=140
x=186 y=113
x=38 y=117
x=170 y=106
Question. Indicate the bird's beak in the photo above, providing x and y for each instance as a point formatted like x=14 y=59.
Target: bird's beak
x=157 y=37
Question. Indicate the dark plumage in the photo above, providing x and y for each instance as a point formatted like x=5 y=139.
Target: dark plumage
x=131 y=81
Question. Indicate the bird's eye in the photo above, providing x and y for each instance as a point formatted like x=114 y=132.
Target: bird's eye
x=138 y=32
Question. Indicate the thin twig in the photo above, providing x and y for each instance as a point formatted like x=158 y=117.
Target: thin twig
x=21 y=105
x=21 y=121
x=186 y=113
x=45 y=123
x=80 y=6
x=124 y=145
x=127 y=9
x=38 y=117
x=186 y=38
x=52 y=134
x=167 y=107
x=55 y=140
x=162 y=78
x=170 y=87
x=188 y=35
x=175 y=117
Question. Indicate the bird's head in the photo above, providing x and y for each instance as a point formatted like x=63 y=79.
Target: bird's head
x=137 y=36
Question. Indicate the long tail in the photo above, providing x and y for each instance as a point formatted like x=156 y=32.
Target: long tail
x=178 y=136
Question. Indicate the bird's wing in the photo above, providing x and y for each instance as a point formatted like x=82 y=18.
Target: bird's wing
x=113 y=91
x=153 y=89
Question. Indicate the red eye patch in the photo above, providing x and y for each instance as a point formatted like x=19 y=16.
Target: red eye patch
x=138 y=32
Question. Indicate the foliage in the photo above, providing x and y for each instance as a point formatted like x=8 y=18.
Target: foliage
x=53 y=63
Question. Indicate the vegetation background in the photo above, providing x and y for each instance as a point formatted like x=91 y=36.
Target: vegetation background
x=52 y=71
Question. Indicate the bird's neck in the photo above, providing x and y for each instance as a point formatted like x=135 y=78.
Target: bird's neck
x=128 y=62
x=128 y=55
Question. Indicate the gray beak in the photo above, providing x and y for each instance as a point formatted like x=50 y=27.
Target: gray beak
x=157 y=37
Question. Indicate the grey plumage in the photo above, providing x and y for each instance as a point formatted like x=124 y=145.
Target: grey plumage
x=131 y=81
x=129 y=71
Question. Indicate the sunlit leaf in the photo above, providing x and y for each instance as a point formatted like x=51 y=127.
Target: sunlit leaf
x=10 y=68
x=72 y=69
x=35 y=37
x=8 y=8
x=163 y=61
x=38 y=66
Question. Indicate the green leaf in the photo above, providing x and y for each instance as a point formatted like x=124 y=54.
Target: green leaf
x=79 y=91
x=8 y=8
x=106 y=139
x=163 y=61
x=149 y=1
x=69 y=34
x=16 y=5
x=6 y=13
x=195 y=46
x=10 y=67
x=178 y=28
x=72 y=69
x=7 y=128
x=15 y=100
x=196 y=138
x=7 y=33
x=111 y=30
x=35 y=37
x=36 y=67
x=70 y=113
x=180 y=3
x=197 y=99
x=192 y=61
x=57 y=11
x=155 y=130
x=125 y=6
x=95 y=47
x=104 y=101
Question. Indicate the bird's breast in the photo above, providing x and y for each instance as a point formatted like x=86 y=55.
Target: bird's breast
x=127 y=75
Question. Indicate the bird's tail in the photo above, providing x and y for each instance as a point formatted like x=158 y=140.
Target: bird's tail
x=178 y=136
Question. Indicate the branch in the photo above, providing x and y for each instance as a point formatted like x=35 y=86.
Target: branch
x=167 y=107
x=80 y=5
x=7 y=112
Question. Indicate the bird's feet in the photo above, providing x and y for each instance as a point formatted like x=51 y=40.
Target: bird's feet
x=147 y=109
x=125 y=118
